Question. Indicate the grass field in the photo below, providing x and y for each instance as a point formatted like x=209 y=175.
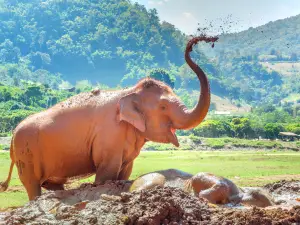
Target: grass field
x=246 y=168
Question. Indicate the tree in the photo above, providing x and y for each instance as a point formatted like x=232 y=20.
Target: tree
x=272 y=130
x=162 y=75
x=213 y=128
x=242 y=127
x=33 y=93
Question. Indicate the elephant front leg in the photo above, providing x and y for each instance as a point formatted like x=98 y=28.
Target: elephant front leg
x=126 y=172
x=107 y=171
x=107 y=159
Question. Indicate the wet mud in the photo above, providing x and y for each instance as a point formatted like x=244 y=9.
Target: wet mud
x=111 y=203
x=285 y=192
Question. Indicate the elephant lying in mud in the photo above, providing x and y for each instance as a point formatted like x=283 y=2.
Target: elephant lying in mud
x=215 y=189
x=101 y=132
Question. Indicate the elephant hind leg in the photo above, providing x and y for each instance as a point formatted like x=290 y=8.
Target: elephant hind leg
x=33 y=189
x=28 y=179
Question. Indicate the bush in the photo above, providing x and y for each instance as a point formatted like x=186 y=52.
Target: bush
x=4 y=147
x=215 y=143
x=195 y=139
x=295 y=128
x=272 y=130
x=213 y=128
x=242 y=127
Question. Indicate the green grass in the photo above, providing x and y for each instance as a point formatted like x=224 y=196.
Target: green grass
x=3 y=146
x=244 y=164
x=246 y=168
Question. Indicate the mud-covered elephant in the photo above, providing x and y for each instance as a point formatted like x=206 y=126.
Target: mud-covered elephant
x=101 y=132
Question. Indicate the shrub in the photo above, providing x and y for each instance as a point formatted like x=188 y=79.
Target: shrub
x=272 y=130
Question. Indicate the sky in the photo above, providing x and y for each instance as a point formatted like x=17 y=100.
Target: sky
x=186 y=14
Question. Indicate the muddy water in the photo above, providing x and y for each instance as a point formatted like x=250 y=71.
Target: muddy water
x=287 y=192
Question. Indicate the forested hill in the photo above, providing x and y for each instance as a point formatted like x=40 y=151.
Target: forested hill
x=101 y=41
x=117 y=42
x=58 y=44
x=281 y=36
x=262 y=65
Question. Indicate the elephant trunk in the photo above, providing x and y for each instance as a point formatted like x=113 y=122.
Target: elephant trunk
x=188 y=119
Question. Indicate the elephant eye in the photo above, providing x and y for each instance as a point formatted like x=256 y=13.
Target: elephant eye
x=163 y=107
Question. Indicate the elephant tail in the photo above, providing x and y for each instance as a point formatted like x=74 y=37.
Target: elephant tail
x=4 y=184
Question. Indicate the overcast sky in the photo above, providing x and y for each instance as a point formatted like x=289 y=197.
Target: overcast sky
x=186 y=14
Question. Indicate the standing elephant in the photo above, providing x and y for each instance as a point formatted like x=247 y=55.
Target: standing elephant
x=101 y=132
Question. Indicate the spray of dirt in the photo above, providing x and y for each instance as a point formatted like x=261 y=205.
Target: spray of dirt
x=230 y=26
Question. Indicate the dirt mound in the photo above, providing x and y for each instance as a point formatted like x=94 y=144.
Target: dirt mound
x=255 y=216
x=89 y=205
x=111 y=204
x=284 y=186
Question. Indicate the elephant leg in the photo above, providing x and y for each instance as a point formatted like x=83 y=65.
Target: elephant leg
x=33 y=189
x=217 y=194
x=107 y=172
x=109 y=169
x=126 y=172
x=28 y=179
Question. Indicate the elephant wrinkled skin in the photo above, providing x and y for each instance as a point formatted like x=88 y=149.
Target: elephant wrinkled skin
x=101 y=132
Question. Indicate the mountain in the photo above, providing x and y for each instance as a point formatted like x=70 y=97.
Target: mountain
x=100 y=41
x=111 y=42
x=261 y=65
x=116 y=42
x=279 y=37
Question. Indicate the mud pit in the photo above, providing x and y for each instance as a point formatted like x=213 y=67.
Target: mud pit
x=109 y=204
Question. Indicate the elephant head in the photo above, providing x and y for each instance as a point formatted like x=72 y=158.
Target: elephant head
x=155 y=110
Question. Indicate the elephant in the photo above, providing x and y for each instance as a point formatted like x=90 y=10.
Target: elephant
x=101 y=132
x=220 y=190
x=215 y=189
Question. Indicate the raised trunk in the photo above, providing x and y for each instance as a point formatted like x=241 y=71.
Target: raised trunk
x=187 y=119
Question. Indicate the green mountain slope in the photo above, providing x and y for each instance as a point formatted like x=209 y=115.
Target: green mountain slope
x=112 y=42
x=260 y=65
x=281 y=36
x=101 y=41
x=116 y=42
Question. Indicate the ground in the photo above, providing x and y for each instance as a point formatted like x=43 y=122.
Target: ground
x=109 y=204
x=246 y=168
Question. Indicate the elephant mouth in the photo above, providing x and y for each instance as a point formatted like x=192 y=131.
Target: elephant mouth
x=167 y=136
x=173 y=138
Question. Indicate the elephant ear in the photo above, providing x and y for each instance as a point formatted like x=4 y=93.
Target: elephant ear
x=130 y=112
